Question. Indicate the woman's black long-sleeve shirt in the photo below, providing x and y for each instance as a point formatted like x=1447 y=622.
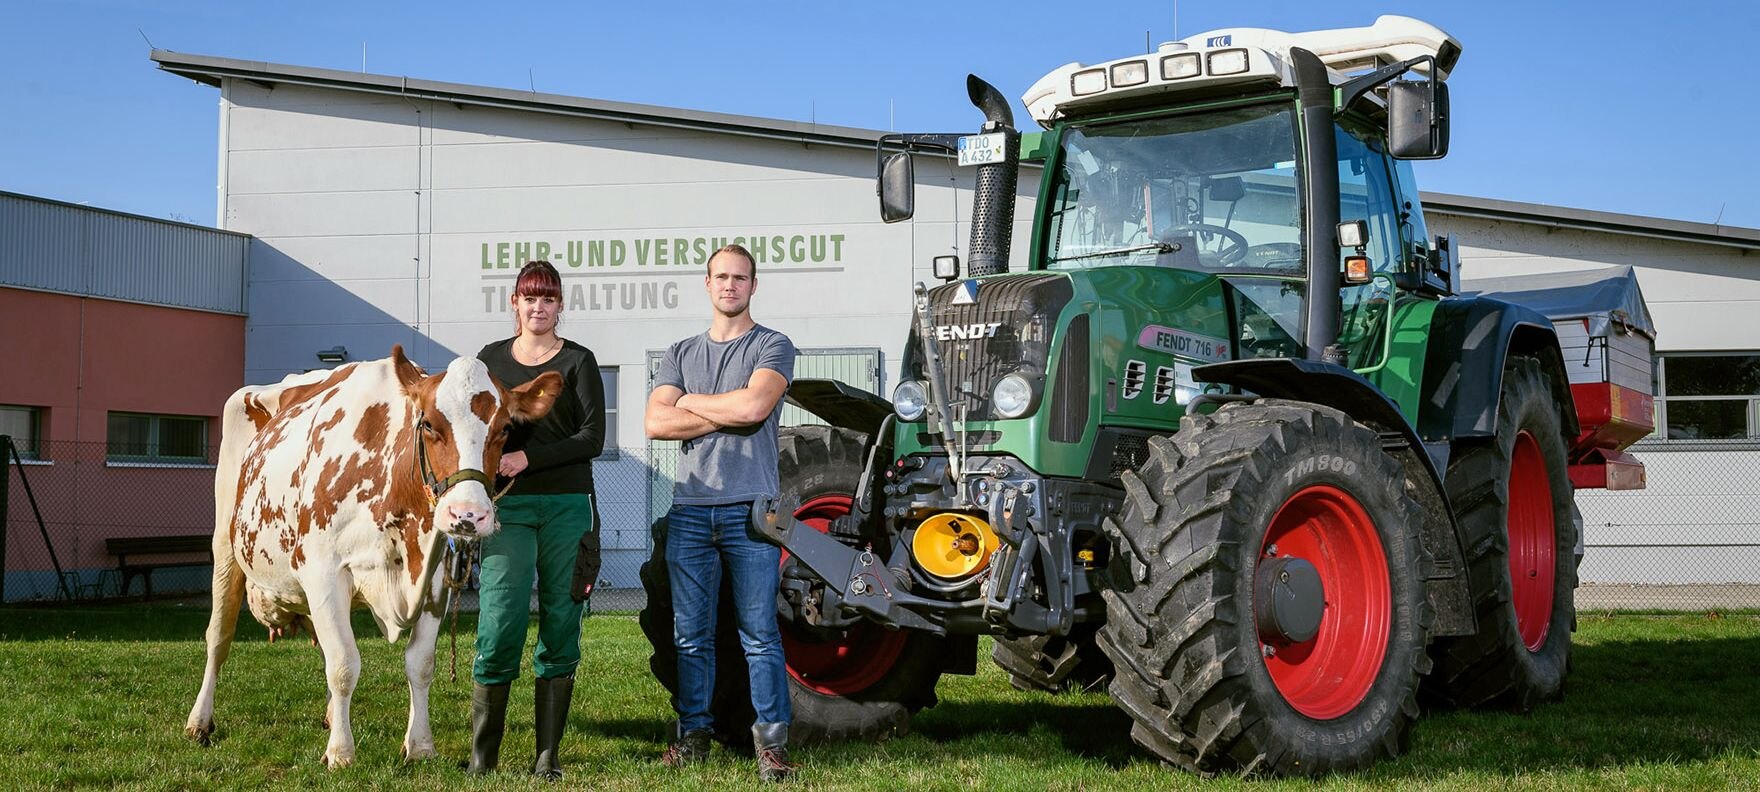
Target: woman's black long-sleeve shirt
x=560 y=446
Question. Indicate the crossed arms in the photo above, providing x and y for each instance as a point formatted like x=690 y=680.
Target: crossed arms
x=676 y=415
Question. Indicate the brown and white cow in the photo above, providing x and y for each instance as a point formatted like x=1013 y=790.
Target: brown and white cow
x=322 y=502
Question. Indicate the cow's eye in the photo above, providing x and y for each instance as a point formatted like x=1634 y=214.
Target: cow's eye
x=428 y=429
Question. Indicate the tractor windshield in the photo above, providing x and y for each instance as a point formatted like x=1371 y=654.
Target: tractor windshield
x=1206 y=191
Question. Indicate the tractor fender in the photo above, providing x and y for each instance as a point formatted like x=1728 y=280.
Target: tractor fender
x=1342 y=389
x=840 y=404
x=1470 y=338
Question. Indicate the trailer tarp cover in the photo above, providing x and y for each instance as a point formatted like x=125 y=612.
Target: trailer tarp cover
x=1603 y=296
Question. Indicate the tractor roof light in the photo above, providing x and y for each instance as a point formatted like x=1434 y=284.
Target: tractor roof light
x=1238 y=55
x=1085 y=83
x=1226 y=62
x=1181 y=66
x=1129 y=73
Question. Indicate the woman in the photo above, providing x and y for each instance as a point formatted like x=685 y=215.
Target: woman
x=544 y=518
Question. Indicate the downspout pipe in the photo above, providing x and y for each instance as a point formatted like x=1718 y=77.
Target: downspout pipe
x=1320 y=199
x=993 y=197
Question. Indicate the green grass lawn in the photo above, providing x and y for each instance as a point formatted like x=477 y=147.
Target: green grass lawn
x=96 y=697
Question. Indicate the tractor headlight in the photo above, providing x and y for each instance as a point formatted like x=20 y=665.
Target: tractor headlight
x=1013 y=396
x=910 y=400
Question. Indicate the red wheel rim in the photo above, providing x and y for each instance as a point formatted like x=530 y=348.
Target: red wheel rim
x=1328 y=675
x=1533 y=542
x=858 y=659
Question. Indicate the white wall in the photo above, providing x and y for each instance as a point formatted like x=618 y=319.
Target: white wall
x=1702 y=297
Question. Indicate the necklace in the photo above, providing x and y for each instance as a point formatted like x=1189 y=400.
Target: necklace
x=539 y=358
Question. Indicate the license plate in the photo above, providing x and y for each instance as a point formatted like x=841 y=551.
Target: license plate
x=982 y=149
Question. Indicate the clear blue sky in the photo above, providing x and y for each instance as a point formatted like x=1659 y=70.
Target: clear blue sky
x=1642 y=108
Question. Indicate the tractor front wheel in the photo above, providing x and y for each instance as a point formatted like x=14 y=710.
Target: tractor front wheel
x=1266 y=613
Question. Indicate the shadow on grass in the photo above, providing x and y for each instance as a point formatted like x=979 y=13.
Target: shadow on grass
x=1648 y=701
x=1088 y=726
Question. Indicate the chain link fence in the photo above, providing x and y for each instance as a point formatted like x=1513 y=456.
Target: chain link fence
x=1690 y=542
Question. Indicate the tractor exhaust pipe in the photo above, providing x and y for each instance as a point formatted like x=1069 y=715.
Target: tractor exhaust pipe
x=993 y=197
x=1320 y=241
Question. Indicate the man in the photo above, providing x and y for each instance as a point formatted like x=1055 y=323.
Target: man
x=720 y=393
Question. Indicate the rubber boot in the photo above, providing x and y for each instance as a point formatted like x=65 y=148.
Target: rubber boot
x=488 y=722
x=550 y=702
x=771 y=743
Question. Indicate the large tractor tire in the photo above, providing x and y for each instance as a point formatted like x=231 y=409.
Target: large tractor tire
x=1512 y=499
x=1266 y=613
x=862 y=684
x=1054 y=664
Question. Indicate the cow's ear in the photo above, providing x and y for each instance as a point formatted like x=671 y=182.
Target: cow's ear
x=532 y=401
x=407 y=373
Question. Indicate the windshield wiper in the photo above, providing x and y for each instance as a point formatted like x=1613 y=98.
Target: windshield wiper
x=1159 y=247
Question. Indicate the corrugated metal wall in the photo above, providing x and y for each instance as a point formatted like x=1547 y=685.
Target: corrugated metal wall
x=72 y=249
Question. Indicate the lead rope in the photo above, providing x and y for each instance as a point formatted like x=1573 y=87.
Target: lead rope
x=458 y=574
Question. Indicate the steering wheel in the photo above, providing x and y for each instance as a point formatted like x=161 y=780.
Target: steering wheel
x=1229 y=253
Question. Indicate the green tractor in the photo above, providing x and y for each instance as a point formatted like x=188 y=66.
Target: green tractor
x=1228 y=443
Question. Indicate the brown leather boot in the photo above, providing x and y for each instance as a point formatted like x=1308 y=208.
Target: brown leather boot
x=771 y=742
x=690 y=748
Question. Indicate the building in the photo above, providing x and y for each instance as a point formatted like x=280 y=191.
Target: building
x=388 y=210
x=124 y=336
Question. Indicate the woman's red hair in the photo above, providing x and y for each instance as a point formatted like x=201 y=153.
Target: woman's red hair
x=538 y=279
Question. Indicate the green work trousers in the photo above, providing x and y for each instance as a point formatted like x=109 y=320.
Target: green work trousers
x=541 y=534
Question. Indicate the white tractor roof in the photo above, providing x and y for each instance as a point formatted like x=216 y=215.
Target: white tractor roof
x=1237 y=56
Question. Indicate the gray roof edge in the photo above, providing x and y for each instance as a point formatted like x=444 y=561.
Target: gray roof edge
x=210 y=69
x=120 y=213
x=1592 y=220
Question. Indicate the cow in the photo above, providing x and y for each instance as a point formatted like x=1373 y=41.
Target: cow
x=337 y=488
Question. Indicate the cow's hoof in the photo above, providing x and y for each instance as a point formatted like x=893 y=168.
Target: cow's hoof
x=418 y=753
x=203 y=734
x=336 y=760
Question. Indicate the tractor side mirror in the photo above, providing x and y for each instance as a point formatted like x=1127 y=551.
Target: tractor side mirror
x=897 y=188
x=1417 y=119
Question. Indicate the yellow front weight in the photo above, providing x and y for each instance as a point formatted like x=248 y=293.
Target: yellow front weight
x=953 y=546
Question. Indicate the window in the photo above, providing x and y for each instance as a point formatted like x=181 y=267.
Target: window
x=1365 y=192
x=1200 y=191
x=25 y=426
x=608 y=374
x=168 y=439
x=1708 y=396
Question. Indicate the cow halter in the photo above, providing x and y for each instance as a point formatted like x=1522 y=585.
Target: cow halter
x=437 y=486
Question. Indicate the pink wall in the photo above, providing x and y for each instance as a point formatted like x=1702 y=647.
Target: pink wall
x=82 y=358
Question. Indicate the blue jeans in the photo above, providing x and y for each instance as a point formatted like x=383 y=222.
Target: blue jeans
x=700 y=542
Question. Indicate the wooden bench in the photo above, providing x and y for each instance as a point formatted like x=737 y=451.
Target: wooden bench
x=157 y=548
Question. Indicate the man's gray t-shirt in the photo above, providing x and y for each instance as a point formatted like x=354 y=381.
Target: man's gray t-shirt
x=736 y=463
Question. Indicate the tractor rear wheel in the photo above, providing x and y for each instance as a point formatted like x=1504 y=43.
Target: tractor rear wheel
x=1512 y=499
x=1054 y=663
x=861 y=684
x=1266 y=613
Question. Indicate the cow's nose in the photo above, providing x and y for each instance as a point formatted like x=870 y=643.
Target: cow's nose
x=464 y=516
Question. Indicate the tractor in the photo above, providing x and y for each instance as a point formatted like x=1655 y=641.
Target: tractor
x=1226 y=442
